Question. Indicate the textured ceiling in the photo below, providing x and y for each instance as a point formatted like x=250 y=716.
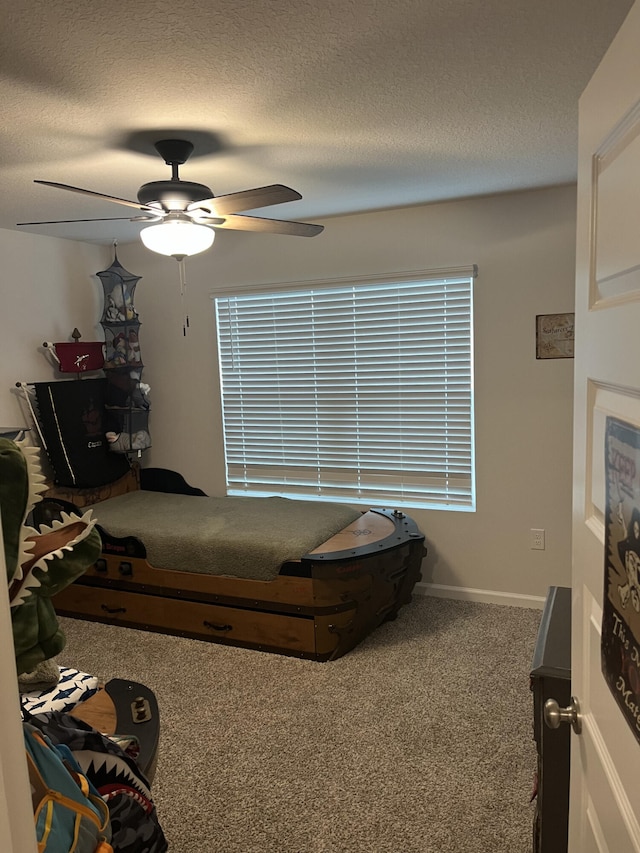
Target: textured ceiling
x=357 y=104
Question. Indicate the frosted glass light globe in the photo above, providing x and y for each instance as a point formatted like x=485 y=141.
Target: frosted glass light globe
x=178 y=238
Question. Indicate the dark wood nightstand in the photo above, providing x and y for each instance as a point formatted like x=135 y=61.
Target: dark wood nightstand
x=551 y=679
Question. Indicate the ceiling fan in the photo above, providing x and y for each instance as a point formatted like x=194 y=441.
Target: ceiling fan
x=188 y=212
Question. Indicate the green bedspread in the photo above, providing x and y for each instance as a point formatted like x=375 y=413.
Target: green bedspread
x=239 y=536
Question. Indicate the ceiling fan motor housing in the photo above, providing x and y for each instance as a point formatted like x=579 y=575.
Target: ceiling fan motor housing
x=174 y=195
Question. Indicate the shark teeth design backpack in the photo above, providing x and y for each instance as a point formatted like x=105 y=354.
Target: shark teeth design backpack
x=69 y=813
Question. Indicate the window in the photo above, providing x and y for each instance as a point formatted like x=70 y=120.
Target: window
x=357 y=391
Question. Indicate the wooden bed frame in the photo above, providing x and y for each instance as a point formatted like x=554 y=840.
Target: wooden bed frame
x=318 y=607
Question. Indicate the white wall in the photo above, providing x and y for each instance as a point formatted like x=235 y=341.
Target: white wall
x=524 y=246
x=48 y=287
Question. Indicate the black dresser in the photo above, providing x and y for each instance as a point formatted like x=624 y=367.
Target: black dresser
x=551 y=679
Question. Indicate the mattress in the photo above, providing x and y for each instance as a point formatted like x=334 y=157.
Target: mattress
x=236 y=536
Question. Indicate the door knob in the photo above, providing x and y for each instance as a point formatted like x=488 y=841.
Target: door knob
x=554 y=714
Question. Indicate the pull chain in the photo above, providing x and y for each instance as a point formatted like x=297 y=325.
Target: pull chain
x=183 y=296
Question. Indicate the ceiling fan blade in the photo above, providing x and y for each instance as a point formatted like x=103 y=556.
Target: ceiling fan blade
x=221 y=205
x=270 y=226
x=135 y=204
x=105 y=219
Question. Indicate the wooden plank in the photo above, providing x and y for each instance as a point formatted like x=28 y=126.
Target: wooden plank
x=282 y=589
x=87 y=497
x=98 y=711
x=330 y=631
x=341 y=590
x=369 y=528
x=207 y=621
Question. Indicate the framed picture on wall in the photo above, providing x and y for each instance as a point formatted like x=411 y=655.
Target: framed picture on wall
x=554 y=335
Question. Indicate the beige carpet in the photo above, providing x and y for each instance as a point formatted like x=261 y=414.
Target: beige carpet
x=418 y=741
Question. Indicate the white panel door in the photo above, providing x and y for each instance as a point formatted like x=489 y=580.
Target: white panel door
x=17 y=833
x=605 y=757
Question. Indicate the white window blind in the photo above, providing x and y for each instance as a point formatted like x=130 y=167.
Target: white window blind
x=352 y=393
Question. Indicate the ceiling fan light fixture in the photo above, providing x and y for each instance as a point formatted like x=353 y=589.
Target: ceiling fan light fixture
x=178 y=237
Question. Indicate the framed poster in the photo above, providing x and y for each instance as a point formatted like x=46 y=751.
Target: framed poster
x=620 y=642
x=554 y=335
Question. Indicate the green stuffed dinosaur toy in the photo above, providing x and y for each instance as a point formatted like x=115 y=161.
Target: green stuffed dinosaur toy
x=39 y=562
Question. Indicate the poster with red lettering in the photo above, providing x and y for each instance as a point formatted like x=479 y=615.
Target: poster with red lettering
x=620 y=644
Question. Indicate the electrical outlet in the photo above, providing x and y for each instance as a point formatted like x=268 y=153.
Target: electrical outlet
x=537 y=539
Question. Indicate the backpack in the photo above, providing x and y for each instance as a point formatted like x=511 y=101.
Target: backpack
x=70 y=816
x=114 y=776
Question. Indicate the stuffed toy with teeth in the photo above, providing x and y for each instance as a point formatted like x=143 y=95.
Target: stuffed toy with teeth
x=39 y=562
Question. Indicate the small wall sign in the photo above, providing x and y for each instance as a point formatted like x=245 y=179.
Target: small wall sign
x=554 y=335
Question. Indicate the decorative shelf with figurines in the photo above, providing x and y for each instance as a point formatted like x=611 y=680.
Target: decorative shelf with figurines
x=127 y=405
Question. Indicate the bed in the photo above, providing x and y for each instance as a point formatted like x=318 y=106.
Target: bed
x=298 y=577
x=302 y=578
